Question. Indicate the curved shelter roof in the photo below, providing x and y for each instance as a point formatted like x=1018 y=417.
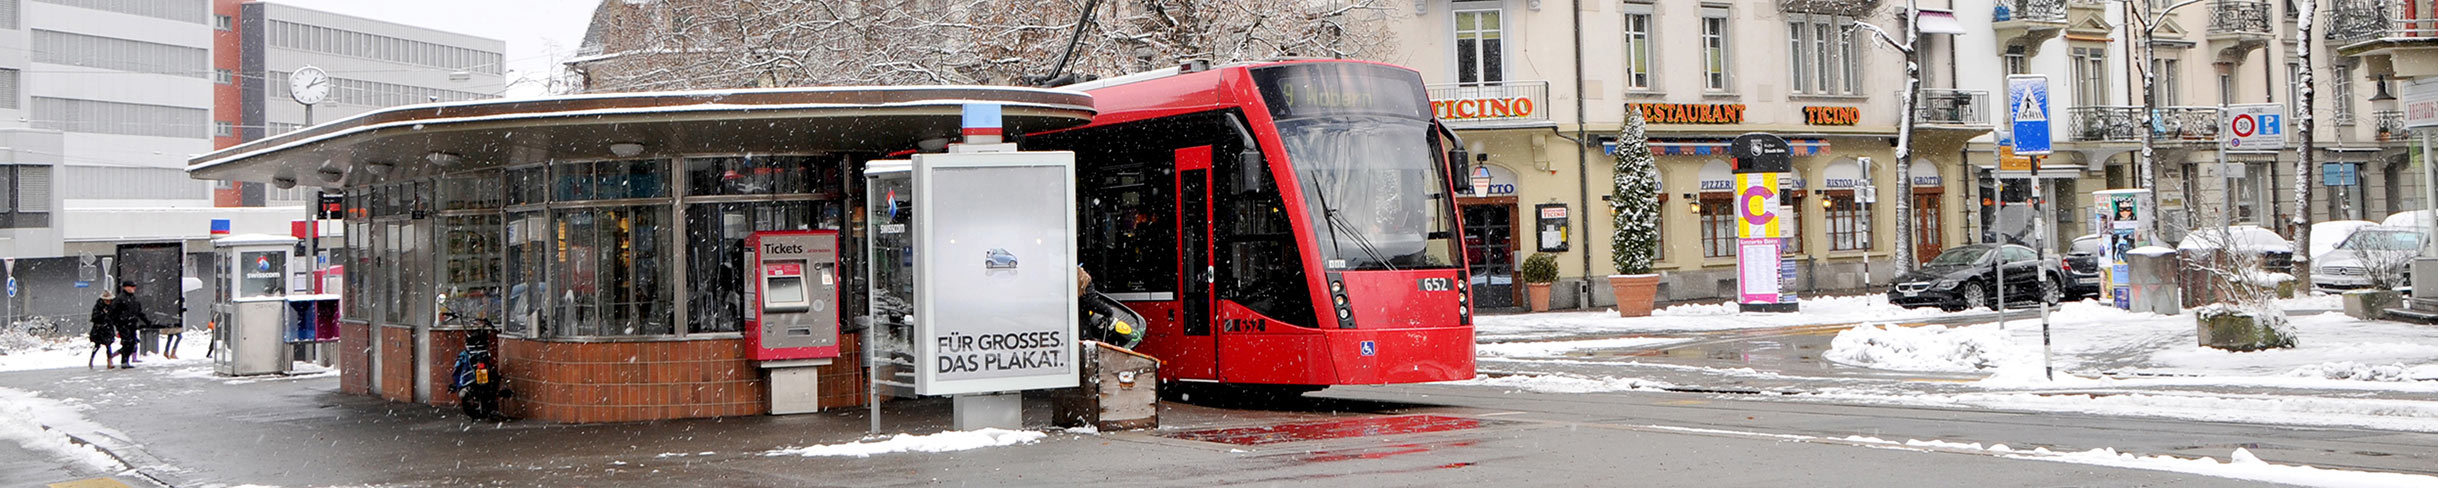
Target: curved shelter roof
x=417 y=140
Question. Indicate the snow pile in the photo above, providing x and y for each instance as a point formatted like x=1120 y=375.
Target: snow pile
x=1693 y=318
x=22 y=418
x=1564 y=383
x=1560 y=348
x=1927 y=348
x=940 y=442
x=13 y=341
x=76 y=352
x=2353 y=371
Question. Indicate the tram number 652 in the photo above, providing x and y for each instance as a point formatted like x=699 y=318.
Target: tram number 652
x=1435 y=284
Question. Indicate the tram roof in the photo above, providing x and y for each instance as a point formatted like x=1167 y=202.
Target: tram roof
x=418 y=140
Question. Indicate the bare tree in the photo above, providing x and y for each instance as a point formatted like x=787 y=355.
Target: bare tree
x=2303 y=28
x=699 y=44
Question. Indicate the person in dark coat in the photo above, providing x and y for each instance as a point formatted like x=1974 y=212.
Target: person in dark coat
x=103 y=333
x=128 y=317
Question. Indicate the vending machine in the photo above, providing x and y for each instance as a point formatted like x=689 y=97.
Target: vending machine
x=792 y=325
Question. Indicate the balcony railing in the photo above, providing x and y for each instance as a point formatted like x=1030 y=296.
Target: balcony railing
x=2391 y=125
x=1490 y=103
x=2031 y=10
x=2367 y=20
x=2121 y=124
x=2236 y=17
x=1953 y=107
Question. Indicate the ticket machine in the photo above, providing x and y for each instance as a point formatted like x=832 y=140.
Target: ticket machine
x=792 y=327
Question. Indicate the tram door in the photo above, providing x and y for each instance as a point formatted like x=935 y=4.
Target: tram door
x=1200 y=352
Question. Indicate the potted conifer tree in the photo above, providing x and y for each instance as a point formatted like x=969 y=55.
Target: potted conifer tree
x=1635 y=203
x=1538 y=272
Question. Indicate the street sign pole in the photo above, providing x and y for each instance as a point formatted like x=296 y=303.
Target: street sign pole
x=2040 y=263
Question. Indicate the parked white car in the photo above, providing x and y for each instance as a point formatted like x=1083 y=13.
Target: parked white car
x=2417 y=219
x=2276 y=253
x=2373 y=257
x=2326 y=235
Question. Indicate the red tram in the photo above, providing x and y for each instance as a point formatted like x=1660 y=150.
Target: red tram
x=1283 y=225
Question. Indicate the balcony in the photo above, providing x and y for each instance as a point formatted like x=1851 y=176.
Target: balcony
x=2238 y=20
x=1495 y=104
x=1953 y=107
x=2391 y=125
x=2028 y=23
x=2359 y=21
x=2124 y=124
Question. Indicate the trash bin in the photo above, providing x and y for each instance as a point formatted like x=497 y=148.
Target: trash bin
x=2154 y=271
x=1120 y=391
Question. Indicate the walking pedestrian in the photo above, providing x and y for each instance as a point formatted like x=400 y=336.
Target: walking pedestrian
x=105 y=331
x=127 y=316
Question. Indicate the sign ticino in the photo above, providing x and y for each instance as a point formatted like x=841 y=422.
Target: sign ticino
x=1483 y=108
x=1832 y=115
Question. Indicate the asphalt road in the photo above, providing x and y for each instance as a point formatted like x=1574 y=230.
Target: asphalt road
x=190 y=431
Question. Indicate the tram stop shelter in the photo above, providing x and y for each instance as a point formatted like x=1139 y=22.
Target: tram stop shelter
x=604 y=235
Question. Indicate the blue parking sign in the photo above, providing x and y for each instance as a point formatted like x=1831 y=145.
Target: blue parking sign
x=2027 y=98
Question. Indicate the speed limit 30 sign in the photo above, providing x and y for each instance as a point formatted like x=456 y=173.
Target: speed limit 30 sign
x=2258 y=127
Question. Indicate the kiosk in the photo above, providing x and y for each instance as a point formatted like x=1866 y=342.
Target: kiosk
x=793 y=325
x=251 y=308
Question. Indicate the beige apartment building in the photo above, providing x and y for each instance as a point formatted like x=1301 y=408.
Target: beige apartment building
x=2207 y=55
x=1504 y=75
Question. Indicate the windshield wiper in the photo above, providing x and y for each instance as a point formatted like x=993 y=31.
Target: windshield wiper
x=1338 y=224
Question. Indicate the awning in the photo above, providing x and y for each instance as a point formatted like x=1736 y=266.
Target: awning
x=1939 y=22
x=1709 y=147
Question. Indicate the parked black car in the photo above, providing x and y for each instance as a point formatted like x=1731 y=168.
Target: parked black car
x=1967 y=276
x=2081 y=266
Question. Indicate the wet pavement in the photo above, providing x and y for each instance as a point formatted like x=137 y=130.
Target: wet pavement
x=185 y=429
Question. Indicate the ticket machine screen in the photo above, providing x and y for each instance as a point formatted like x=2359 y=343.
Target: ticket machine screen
x=783 y=286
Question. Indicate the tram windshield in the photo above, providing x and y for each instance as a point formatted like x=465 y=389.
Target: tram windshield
x=1359 y=139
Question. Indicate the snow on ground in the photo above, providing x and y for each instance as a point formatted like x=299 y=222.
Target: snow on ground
x=2404 y=415
x=75 y=352
x=1697 y=317
x=2240 y=464
x=23 y=415
x=1928 y=348
x=940 y=442
x=1560 y=348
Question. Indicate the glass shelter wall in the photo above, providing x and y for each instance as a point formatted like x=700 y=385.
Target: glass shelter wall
x=581 y=250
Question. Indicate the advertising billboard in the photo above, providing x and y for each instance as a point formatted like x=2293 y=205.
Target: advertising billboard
x=994 y=272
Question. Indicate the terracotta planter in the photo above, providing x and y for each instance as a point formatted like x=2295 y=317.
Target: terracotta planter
x=1537 y=295
x=1635 y=293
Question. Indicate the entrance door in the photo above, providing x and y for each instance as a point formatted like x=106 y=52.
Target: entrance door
x=1489 y=237
x=1200 y=358
x=1926 y=231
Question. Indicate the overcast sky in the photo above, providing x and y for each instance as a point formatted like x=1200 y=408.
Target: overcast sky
x=539 y=33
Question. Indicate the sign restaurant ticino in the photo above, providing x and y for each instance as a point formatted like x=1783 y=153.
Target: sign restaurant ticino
x=1692 y=113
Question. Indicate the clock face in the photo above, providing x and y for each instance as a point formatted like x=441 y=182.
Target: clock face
x=309 y=85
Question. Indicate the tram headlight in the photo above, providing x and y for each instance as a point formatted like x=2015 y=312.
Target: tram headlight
x=1343 y=313
x=1341 y=300
x=1337 y=287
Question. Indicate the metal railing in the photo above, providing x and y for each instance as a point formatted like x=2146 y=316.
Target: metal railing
x=2364 y=20
x=1953 y=107
x=2391 y=125
x=2237 y=17
x=2031 y=10
x=2123 y=123
x=1504 y=101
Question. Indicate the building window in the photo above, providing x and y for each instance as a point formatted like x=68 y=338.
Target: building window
x=223 y=76
x=470 y=268
x=1793 y=243
x=1479 y=47
x=95 y=116
x=2015 y=64
x=120 y=54
x=223 y=128
x=2170 y=83
x=2347 y=202
x=612 y=261
x=2090 y=76
x=8 y=86
x=2341 y=93
x=8 y=14
x=2226 y=88
x=716 y=281
x=1847 y=230
x=178 y=10
x=25 y=196
x=1822 y=53
x=1638 y=60
x=1718 y=224
x=1714 y=49
x=224 y=22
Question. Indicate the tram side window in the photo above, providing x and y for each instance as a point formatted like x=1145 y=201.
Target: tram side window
x=1128 y=206
x=1259 y=264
